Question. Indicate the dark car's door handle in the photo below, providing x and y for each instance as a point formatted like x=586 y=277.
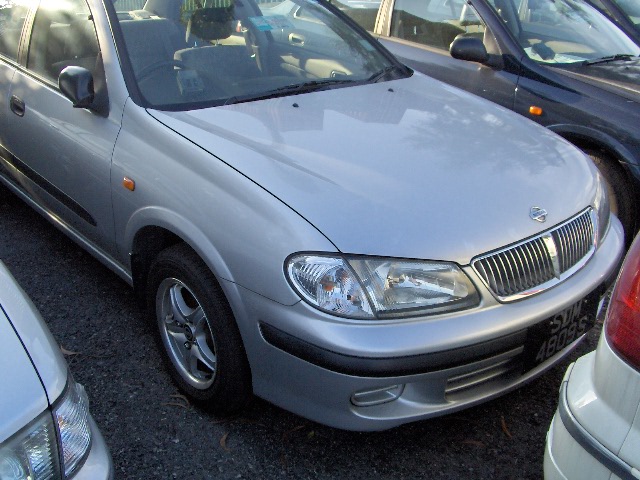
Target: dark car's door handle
x=17 y=106
x=296 y=39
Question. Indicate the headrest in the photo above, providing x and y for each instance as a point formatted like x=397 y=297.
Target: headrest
x=164 y=8
x=211 y=23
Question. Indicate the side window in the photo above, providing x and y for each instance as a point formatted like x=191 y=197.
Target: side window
x=12 y=16
x=363 y=12
x=434 y=22
x=63 y=35
x=307 y=29
x=128 y=5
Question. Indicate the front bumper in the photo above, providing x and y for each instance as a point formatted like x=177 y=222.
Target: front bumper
x=373 y=376
x=98 y=465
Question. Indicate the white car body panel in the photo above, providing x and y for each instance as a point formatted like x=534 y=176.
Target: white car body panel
x=630 y=451
x=37 y=339
x=26 y=398
x=33 y=375
x=617 y=387
x=603 y=394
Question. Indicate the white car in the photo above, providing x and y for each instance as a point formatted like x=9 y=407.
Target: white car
x=595 y=432
x=46 y=430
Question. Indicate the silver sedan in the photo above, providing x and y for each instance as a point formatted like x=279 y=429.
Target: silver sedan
x=305 y=218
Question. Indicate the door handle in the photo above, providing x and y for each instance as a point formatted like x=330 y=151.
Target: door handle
x=17 y=106
x=296 y=39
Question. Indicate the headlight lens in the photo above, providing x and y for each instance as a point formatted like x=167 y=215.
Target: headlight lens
x=72 y=416
x=370 y=288
x=33 y=452
x=603 y=208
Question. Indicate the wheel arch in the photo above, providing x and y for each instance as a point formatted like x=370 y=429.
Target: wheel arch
x=156 y=234
x=148 y=242
x=625 y=161
x=587 y=138
x=153 y=230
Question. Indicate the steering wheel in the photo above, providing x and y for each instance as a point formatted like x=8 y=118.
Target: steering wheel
x=150 y=69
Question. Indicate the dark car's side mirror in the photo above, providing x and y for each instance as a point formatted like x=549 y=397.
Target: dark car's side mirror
x=469 y=48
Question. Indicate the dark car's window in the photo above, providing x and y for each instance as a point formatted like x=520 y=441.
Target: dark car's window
x=190 y=54
x=12 y=16
x=631 y=8
x=435 y=22
x=563 y=31
x=63 y=35
x=363 y=12
x=599 y=4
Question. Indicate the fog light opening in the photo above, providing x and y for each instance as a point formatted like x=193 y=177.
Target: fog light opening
x=369 y=398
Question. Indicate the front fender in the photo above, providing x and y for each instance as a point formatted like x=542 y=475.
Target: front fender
x=241 y=231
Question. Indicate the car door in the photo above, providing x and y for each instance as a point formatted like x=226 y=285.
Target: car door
x=61 y=156
x=12 y=18
x=419 y=33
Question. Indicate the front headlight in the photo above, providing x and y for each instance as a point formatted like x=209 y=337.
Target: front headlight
x=34 y=452
x=72 y=417
x=603 y=208
x=379 y=288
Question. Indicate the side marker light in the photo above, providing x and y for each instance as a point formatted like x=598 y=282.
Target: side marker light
x=533 y=110
x=128 y=184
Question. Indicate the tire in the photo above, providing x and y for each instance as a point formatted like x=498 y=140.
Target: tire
x=620 y=191
x=197 y=331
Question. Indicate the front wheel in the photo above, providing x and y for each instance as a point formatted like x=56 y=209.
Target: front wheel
x=197 y=331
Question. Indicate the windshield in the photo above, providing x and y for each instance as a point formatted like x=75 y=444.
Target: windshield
x=563 y=31
x=190 y=54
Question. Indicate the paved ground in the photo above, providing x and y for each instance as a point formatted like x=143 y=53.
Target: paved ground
x=153 y=432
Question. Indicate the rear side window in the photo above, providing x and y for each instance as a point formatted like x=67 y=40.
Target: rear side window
x=63 y=34
x=12 y=16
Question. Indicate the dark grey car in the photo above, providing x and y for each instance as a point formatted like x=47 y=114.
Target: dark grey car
x=561 y=63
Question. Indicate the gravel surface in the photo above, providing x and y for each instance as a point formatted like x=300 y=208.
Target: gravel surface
x=154 y=433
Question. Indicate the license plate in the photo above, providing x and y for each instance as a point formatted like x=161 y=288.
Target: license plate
x=547 y=338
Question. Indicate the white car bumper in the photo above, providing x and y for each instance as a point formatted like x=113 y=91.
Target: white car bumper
x=572 y=451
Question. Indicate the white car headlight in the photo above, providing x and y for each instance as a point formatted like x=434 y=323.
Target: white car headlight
x=72 y=417
x=33 y=452
x=379 y=288
x=603 y=208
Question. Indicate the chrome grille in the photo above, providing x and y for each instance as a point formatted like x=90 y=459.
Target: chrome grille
x=540 y=262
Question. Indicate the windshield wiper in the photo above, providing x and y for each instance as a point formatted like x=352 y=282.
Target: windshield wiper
x=289 y=90
x=378 y=76
x=610 y=58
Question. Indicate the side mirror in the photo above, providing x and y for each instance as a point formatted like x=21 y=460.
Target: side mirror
x=76 y=83
x=469 y=48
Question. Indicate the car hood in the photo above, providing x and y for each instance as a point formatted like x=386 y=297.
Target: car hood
x=621 y=77
x=30 y=380
x=408 y=168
